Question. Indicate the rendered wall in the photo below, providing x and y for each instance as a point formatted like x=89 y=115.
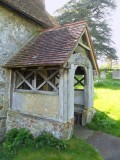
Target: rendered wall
x=15 y=31
x=38 y=104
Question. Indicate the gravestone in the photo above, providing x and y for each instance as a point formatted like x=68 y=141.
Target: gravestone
x=116 y=74
x=96 y=77
x=103 y=75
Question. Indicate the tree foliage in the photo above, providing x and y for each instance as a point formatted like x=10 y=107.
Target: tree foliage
x=96 y=12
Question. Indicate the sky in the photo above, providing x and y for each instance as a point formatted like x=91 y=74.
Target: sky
x=116 y=27
x=52 y=5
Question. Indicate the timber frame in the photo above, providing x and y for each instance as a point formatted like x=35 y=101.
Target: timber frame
x=36 y=80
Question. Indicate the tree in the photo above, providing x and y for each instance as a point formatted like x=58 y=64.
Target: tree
x=96 y=13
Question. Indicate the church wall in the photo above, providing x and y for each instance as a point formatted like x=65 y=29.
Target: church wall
x=15 y=32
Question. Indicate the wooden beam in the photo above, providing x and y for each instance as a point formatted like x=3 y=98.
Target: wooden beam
x=93 y=56
x=37 y=91
x=47 y=80
x=25 y=80
x=79 y=81
x=84 y=46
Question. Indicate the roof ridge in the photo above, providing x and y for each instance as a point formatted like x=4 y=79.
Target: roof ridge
x=66 y=25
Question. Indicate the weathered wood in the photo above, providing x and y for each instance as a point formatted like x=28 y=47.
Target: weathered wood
x=25 y=80
x=84 y=46
x=35 y=80
x=41 y=85
x=45 y=86
x=79 y=81
x=47 y=80
x=91 y=50
x=34 y=86
x=11 y=88
x=36 y=92
x=52 y=85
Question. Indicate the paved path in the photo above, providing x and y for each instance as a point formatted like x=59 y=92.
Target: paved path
x=108 y=146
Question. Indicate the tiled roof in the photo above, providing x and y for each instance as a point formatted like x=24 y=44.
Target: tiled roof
x=52 y=47
x=34 y=9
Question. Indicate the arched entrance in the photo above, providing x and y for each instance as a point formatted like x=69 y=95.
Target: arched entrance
x=79 y=93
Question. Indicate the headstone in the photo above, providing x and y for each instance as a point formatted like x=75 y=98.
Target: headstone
x=103 y=75
x=96 y=77
x=116 y=74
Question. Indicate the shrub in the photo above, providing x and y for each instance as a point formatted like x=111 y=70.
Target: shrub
x=48 y=140
x=16 y=138
x=11 y=135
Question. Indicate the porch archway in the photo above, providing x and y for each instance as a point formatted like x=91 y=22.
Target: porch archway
x=80 y=81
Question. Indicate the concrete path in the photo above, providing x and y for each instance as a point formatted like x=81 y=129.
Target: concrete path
x=108 y=146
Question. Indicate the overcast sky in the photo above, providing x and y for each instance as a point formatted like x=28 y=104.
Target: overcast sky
x=52 y=5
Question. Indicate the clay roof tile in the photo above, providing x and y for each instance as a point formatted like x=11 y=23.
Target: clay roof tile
x=52 y=47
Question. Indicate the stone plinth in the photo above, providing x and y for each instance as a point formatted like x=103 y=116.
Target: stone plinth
x=88 y=115
x=39 y=124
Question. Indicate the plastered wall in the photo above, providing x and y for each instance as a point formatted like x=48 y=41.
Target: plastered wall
x=38 y=104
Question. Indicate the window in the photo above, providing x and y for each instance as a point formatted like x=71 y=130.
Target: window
x=37 y=80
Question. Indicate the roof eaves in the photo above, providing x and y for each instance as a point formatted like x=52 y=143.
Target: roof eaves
x=33 y=66
x=93 y=53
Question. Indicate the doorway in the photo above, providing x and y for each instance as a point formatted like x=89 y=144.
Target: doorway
x=79 y=92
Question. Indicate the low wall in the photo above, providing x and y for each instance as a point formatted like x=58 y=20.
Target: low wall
x=38 y=124
x=39 y=104
x=79 y=97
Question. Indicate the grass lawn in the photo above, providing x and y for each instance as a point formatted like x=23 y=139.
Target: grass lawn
x=107 y=103
x=77 y=150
